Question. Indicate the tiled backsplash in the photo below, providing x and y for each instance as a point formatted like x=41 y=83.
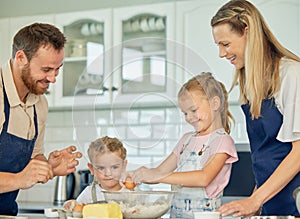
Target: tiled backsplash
x=149 y=135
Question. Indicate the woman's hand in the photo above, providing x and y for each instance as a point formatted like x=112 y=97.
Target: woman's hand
x=245 y=207
x=64 y=162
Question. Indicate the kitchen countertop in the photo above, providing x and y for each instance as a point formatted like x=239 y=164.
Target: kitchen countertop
x=35 y=210
x=34 y=216
x=42 y=205
x=38 y=206
x=41 y=216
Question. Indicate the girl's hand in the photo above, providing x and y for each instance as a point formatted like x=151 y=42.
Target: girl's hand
x=64 y=162
x=146 y=175
x=240 y=208
x=126 y=181
x=129 y=184
x=123 y=177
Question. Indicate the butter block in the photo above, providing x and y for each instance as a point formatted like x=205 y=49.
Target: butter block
x=111 y=210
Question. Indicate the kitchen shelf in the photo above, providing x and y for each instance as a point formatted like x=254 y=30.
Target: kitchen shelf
x=75 y=59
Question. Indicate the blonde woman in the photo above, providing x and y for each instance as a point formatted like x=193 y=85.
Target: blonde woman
x=269 y=79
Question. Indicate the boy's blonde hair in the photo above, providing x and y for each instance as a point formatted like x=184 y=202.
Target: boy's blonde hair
x=210 y=87
x=105 y=145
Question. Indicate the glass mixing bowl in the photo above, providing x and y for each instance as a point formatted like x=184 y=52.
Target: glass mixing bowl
x=141 y=204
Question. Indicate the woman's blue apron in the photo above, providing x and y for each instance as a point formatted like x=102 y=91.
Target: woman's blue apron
x=15 y=154
x=267 y=153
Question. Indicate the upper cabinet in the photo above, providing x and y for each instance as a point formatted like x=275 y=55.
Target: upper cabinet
x=200 y=52
x=85 y=78
x=284 y=25
x=142 y=63
x=143 y=54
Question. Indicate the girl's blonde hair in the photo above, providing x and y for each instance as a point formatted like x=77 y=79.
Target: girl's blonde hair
x=105 y=145
x=210 y=87
x=259 y=79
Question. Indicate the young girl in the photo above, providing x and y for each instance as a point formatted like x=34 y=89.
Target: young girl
x=199 y=166
x=107 y=162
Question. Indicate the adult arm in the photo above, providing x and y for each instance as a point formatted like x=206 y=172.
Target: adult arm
x=36 y=171
x=283 y=174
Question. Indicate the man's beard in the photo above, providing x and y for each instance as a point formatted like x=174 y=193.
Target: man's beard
x=30 y=83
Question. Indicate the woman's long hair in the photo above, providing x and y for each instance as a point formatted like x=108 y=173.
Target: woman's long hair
x=259 y=79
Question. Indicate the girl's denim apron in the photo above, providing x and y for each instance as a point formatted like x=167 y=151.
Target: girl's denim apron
x=267 y=153
x=15 y=154
x=188 y=199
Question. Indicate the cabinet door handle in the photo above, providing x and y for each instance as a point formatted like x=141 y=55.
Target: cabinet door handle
x=113 y=88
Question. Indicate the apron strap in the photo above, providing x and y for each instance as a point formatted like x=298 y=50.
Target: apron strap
x=94 y=193
x=211 y=139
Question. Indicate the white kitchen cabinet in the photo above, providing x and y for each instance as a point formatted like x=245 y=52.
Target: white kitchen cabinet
x=16 y=23
x=85 y=78
x=283 y=18
x=200 y=53
x=143 y=54
x=194 y=31
x=5 y=49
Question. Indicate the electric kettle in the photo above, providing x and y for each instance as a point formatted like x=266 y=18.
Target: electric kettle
x=64 y=188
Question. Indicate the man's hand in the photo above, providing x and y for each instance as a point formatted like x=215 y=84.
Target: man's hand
x=64 y=162
x=37 y=171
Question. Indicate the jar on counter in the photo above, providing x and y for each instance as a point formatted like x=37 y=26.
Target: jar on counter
x=68 y=48
x=78 y=48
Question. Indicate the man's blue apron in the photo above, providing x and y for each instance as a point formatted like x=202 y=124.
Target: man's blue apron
x=15 y=154
x=267 y=153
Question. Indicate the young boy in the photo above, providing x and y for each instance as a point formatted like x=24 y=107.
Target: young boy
x=107 y=161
